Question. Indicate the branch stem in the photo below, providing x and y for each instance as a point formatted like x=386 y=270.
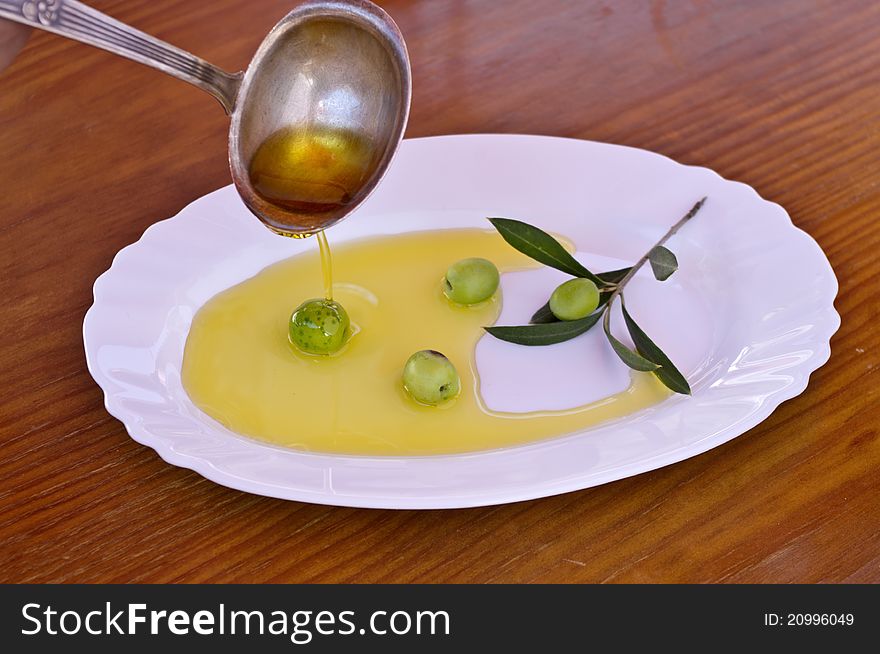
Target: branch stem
x=641 y=262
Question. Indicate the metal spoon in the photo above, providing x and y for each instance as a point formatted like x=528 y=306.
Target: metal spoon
x=328 y=64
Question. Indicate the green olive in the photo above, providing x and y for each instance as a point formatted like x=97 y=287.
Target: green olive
x=574 y=299
x=471 y=280
x=319 y=327
x=430 y=378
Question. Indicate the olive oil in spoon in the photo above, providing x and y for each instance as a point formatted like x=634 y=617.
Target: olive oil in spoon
x=310 y=173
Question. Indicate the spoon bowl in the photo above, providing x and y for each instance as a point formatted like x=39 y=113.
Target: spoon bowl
x=315 y=118
x=328 y=92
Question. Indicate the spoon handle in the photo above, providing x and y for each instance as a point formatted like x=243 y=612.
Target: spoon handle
x=82 y=23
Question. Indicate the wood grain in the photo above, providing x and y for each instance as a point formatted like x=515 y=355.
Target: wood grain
x=782 y=95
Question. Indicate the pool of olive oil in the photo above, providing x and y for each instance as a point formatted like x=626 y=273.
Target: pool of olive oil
x=240 y=368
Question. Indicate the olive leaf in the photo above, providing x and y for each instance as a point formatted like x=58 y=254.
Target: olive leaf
x=667 y=372
x=543 y=315
x=541 y=247
x=545 y=334
x=663 y=262
x=614 y=276
x=630 y=358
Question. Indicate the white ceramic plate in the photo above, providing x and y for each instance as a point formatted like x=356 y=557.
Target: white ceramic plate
x=755 y=319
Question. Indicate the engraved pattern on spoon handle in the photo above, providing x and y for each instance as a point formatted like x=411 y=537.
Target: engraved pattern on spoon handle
x=80 y=22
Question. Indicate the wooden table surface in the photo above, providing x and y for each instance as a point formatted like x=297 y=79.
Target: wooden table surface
x=782 y=95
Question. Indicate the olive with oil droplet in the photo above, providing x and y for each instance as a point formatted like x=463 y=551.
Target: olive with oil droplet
x=430 y=378
x=319 y=327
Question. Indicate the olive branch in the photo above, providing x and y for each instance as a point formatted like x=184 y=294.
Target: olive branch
x=546 y=329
